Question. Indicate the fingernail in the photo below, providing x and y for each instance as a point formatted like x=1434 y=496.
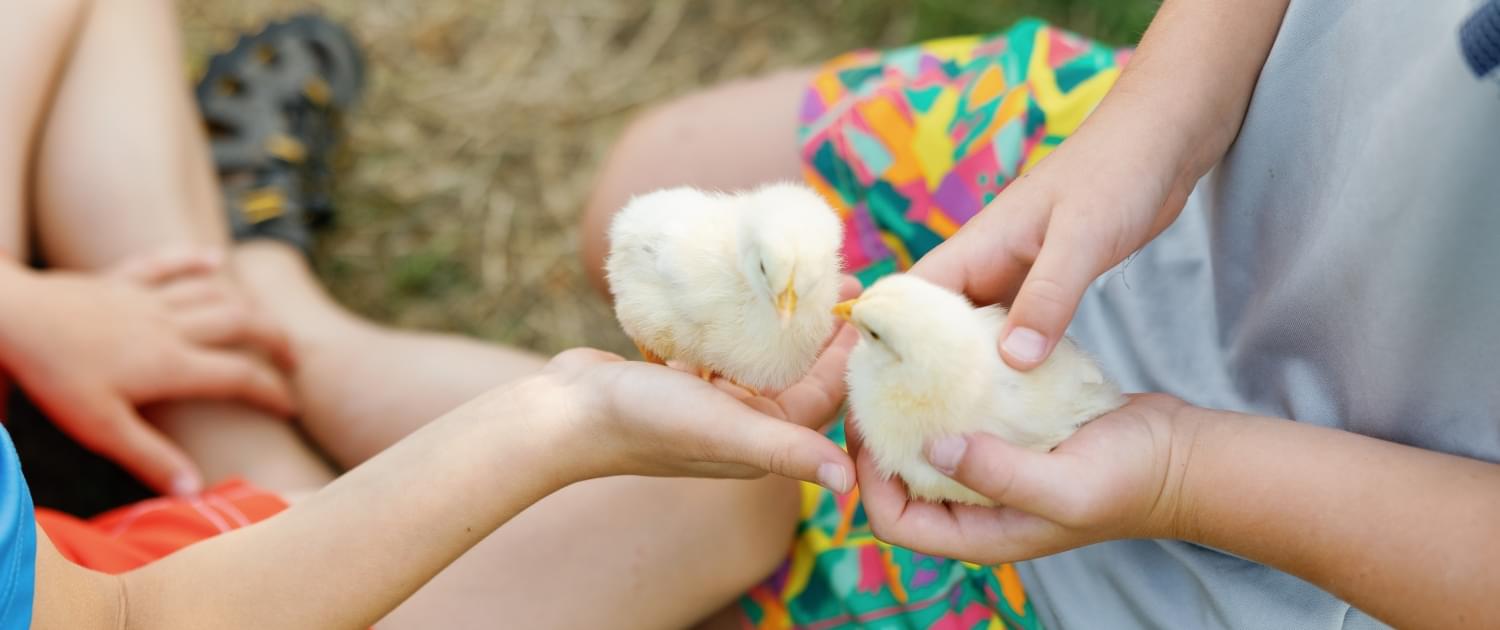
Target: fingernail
x=945 y=452
x=185 y=484
x=833 y=477
x=1025 y=344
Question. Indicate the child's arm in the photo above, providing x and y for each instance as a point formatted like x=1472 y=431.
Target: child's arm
x=348 y=555
x=1404 y=534
x=1119 y=180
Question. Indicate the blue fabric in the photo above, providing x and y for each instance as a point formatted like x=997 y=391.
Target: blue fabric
x=1480 y=38
x=17 y=541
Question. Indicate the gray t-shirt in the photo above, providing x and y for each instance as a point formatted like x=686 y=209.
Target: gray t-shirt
x=1341 y=267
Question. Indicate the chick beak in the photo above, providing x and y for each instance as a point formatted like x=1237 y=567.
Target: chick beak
x=845 y=310
x=786 y=304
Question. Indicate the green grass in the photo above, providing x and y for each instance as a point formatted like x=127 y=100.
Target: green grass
x=430 y=272
x=1112 y=21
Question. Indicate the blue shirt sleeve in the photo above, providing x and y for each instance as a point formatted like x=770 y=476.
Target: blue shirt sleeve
x=17 y=540
x=1479 y=38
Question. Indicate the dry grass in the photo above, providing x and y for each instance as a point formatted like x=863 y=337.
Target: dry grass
x=483 y=124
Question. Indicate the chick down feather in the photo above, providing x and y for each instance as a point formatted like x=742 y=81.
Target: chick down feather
x=741 y=285
x=926 y=366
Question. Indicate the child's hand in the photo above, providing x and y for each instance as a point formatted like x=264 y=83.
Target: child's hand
x=645 y=419
x=91 y=349
x=1102 y=195
x=1118 y=477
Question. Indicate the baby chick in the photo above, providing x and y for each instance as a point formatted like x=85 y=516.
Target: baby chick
x=738 y=285
x=926 y=366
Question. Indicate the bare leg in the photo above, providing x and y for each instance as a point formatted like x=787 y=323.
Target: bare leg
x=625 y=552
x=366 y=386
x=151 y=185
x=643 y=552
x=35 y=36
x=39 y=33
x=123 y=168
x=231 y=440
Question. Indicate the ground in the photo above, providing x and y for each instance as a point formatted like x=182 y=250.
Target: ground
x=485 y=119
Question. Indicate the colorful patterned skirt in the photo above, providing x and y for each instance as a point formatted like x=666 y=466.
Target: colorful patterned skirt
x=907 y=145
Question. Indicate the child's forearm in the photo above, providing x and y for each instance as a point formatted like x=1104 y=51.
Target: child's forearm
x=1188 y=84
x=351 y=553
x=1405 y=534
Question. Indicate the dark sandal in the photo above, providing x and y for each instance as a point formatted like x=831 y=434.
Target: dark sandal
x=274 y=105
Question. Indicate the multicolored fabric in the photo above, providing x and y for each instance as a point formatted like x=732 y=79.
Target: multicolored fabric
x=908 y=145
x=840 y=577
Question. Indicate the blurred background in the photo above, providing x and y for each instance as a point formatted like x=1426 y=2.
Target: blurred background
x=484 y=120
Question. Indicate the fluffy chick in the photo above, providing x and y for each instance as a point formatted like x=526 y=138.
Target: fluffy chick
x=926 y=366
x=739 y=285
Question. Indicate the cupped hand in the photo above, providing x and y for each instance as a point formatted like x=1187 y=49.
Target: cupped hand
x=92 y=349
x=1117 y=477
x=648 y=419
x=1102 y=195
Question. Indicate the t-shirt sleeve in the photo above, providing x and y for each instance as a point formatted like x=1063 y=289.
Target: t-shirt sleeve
x=17 y=540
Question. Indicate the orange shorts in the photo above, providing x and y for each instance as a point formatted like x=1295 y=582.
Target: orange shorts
x=128 y=537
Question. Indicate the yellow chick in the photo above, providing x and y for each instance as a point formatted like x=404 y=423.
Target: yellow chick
x=926 y=366
x=739 y=285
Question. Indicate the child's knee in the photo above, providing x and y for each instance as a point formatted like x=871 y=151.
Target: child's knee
x=63 y=14
x=620 y=177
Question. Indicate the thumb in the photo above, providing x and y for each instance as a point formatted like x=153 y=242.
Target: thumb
x=788 y=450
x=1048 y=298
x=128 y=440
x=1005 y=473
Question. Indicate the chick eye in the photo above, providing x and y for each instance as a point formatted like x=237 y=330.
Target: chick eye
x=763 y=267
x=875 y=335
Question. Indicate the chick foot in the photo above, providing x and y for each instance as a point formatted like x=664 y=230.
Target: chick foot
x=649 y=356
x=708 y=376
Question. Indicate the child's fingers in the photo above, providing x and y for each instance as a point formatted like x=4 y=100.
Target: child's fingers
x=226 y=375
x=784 y=449
x=1007 y=474
x=988 y=258
x=189 y=293
x=885 y=499
x=230 y=325
x=966 y=532
x=125 y=438
x=849 y=287
x=162 y=266
x=1071 y=259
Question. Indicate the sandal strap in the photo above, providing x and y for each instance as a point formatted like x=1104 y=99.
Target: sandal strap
x=273 y=104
